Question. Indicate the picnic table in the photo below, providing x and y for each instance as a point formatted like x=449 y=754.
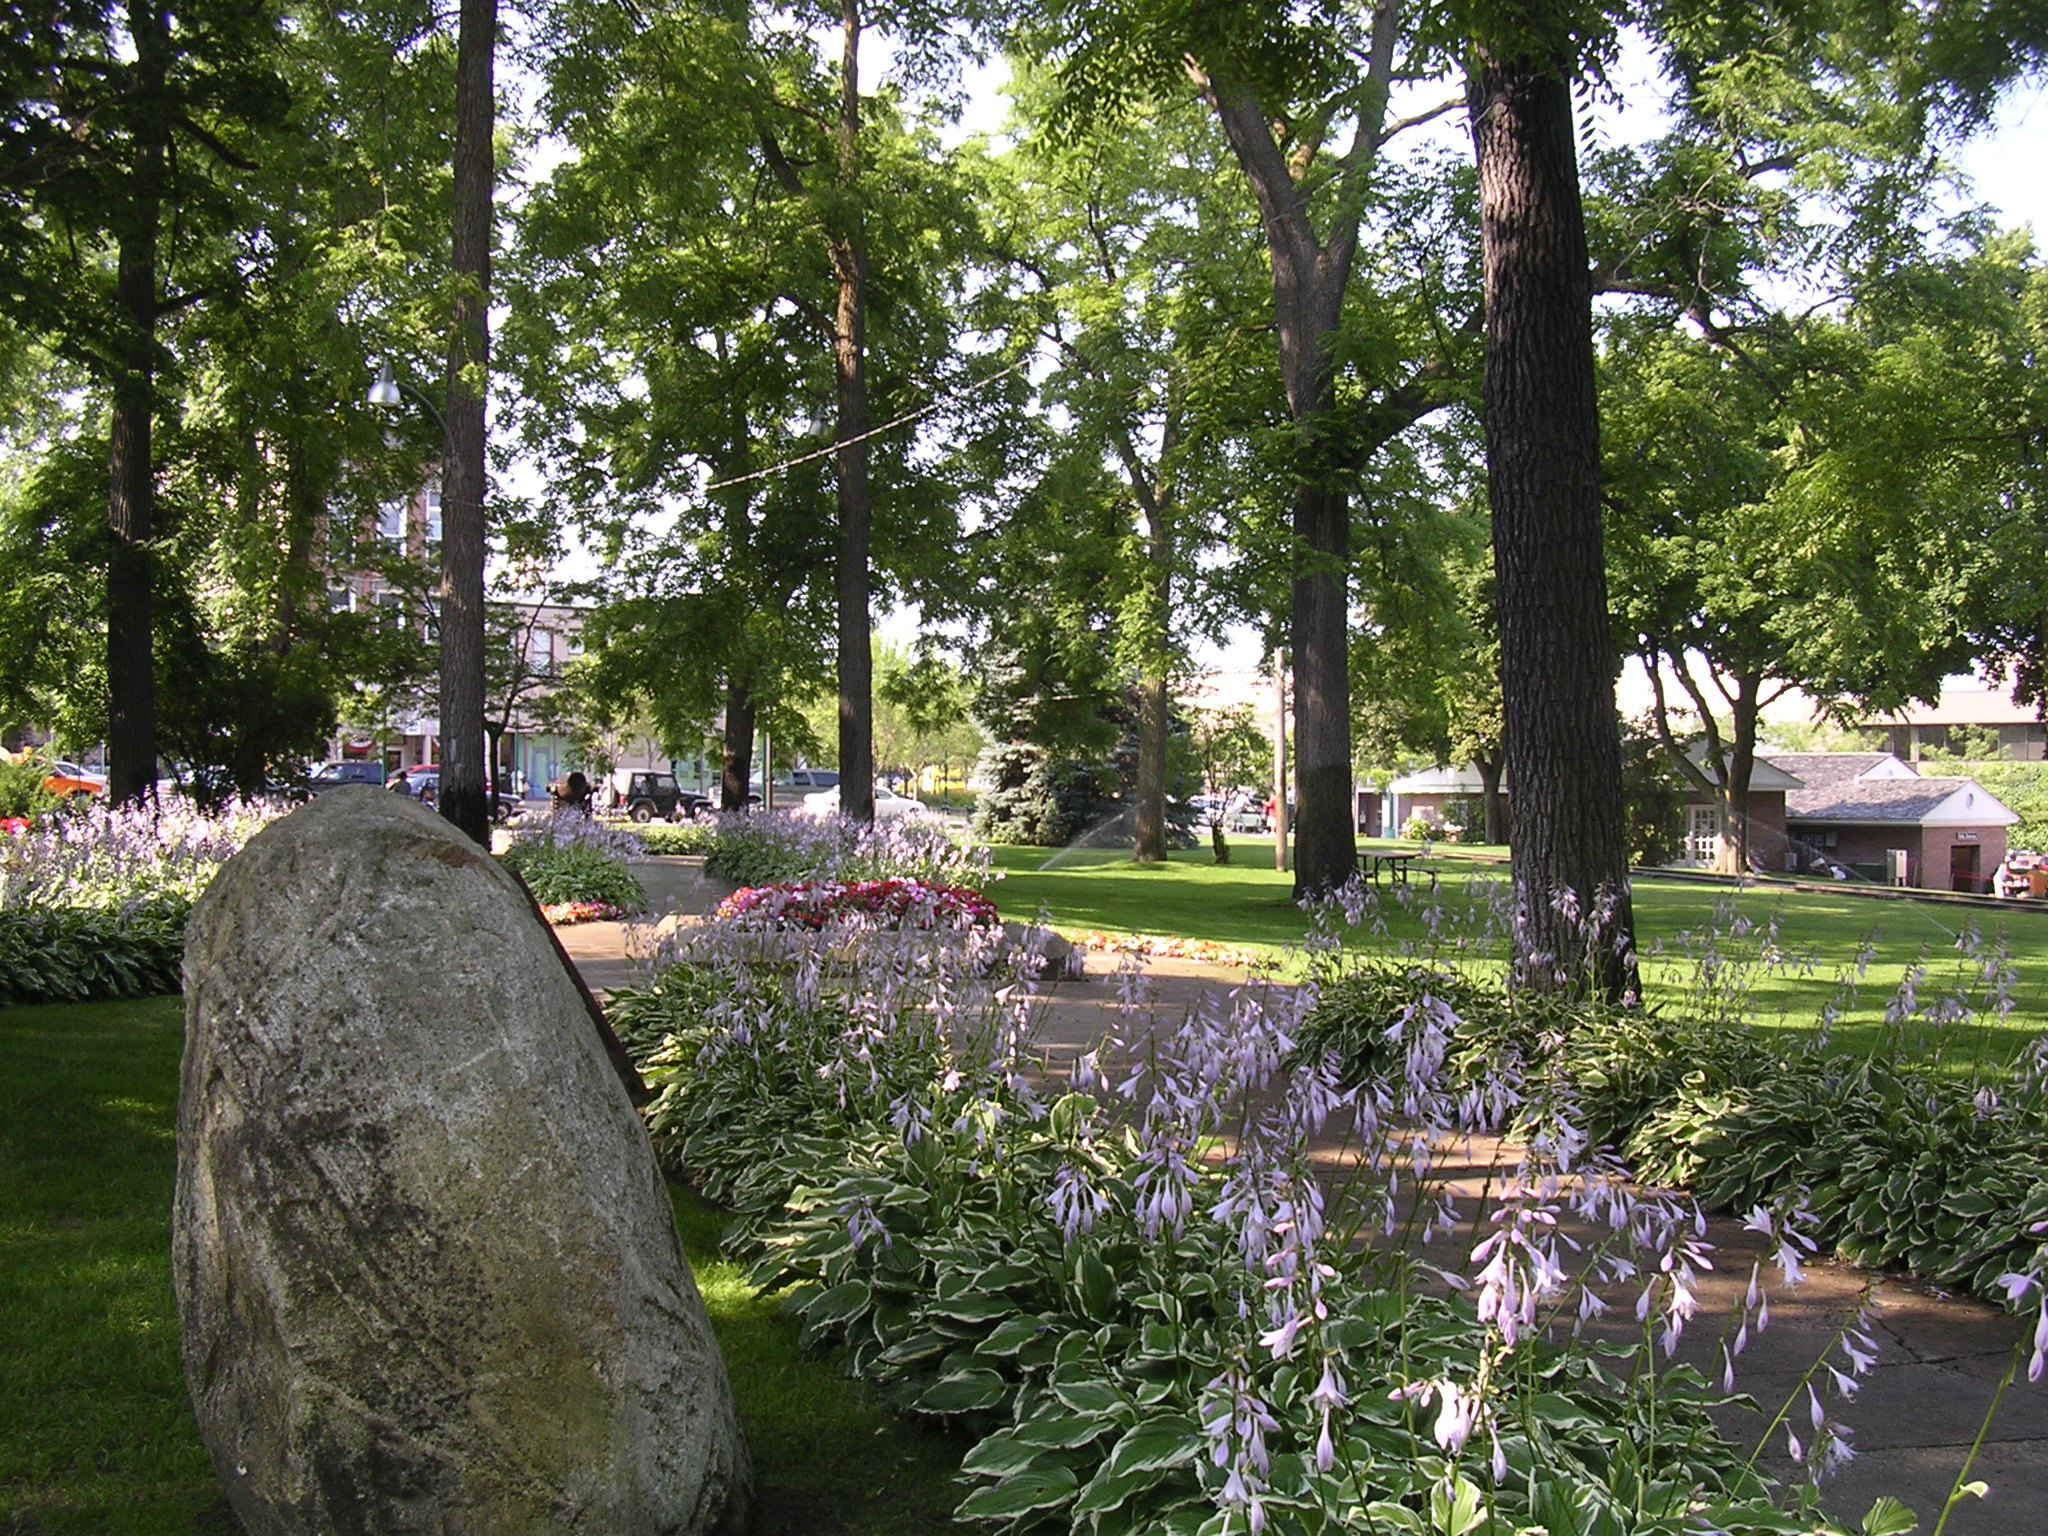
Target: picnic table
x=1395 y=863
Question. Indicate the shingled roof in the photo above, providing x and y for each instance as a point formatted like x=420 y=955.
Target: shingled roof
x=1867 y=787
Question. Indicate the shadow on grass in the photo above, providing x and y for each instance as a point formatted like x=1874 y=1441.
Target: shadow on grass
x=96 y=1435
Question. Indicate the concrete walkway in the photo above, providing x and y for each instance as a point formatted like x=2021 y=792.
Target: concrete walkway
x=1913 y=1422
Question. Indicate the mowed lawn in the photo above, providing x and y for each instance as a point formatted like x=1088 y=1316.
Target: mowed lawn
x=1776 y=956
x=96 y=1434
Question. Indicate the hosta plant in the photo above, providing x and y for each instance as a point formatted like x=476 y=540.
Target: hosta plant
x=815 y=905
x=1152 y=1288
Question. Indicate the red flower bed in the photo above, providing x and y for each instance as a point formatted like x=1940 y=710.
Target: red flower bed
x=808 y=905
x=563 y=913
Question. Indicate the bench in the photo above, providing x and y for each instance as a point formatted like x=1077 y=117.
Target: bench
x=1397 y=866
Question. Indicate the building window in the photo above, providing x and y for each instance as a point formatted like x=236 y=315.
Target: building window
x=391 y=521
x=540 y=652
x=433 y=511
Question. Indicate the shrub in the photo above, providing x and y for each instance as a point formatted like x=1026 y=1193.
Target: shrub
x=894 y=902
x=694 y=836
x=80 y=954
x=570 y=859
x=1142 y=1337
x=761 y=848
x=1035 y=801
x=93 y=901
x=21 y=787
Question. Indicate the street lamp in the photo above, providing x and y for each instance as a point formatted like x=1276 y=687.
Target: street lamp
x=389 y=390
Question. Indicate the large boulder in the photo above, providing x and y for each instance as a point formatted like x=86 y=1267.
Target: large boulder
x=428 y=1276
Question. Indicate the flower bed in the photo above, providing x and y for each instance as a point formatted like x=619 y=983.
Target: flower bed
x=1144 y=1296
x=93 y=901
x=1169 y=947
x=568 y=860
x=564 y=914
x=768 y=848
x=814 y=905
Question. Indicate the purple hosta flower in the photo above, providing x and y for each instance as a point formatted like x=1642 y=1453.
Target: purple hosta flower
x=1237 y=1422
x=1457 y=1413
x=1076 y=1203
x=1672 y=1238
x=1165 y=1183
x=1519 y=1269
x=1785 y=1227
x=1133 y=987
x=910 y=1119
x=1905 y=1002
x=1295 y=1276
x=1243 y=1210
x=1328 y=1398
x=2017 y=1288
x=862 y=1224
x=1313 y=1096
x=1423 y=1032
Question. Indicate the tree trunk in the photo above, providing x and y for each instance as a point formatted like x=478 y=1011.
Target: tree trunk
x=1149 y=840
x=131 y=474
x=463 y=798
x=849 y=358
x=1736 y=846
x=1493 y=823
x=737 y=765
x=1573 y=922
x=1309 y=279
x=1155 y=700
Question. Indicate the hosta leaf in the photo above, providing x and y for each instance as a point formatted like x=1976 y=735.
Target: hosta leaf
x=1034 y=1488
x=1063 y=1431
x=1088 y=1396
x=838 y=1304
x=967 y=1392
x=1888 y=1517
x=1165 y=1441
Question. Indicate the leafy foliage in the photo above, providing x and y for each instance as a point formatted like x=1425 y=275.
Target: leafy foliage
x=753 y=849
x=75 y=954
x=1136 y=1338
x=570 y=859
x=93 y=901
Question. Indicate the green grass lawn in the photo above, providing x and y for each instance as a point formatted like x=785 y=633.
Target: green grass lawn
x=95 y=1432
x=1247 y=903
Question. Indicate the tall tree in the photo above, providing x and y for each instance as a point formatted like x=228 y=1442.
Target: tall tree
x=116 y=123
x=1574 y=923
x=1302 y=101
x=464 y=798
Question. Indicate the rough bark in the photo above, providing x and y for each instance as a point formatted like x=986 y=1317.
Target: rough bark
x=131 y=474
x=737 y=761
x=1309 y=279
x=463 y=799
x=1573 y=925
x=852 y=581
x=1494 y=824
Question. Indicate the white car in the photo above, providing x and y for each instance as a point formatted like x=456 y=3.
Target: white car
x=888 y=804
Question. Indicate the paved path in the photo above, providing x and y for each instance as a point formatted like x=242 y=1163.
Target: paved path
x=1914 y=1419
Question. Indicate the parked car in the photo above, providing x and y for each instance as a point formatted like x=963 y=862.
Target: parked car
x=644 y=794
x=67 y=778
x=889 y=806
x=424 y=785
x=333 y=775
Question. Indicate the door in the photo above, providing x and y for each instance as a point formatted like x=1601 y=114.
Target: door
x=1965 y=864
x=1703 y=836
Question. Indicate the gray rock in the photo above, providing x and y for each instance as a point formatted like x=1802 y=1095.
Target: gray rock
x=428 y=1276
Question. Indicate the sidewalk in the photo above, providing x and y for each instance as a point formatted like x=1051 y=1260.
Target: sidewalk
x=1913 y=1422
